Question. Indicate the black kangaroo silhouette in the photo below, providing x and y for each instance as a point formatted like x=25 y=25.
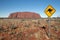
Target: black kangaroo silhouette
x=50 y=10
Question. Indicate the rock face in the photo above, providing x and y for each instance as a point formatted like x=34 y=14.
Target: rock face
x=24 y=15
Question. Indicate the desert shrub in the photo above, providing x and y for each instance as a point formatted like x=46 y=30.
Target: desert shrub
x=13 y=27
x=27 y=25
x=1 y=29
x=35 y=22
x=12 y=32
x=55 y=28
x=5 y=30
x=38 y=22
x=20 y=35
x=23 y=20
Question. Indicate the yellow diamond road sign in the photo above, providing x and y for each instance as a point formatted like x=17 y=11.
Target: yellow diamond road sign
x=49 y=11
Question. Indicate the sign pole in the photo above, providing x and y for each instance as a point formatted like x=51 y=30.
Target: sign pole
x=49 y=27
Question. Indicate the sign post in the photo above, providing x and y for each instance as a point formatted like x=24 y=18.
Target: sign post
x=49 y=11
x=49 y=26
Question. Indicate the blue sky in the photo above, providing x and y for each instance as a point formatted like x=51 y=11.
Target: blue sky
x=38 y=6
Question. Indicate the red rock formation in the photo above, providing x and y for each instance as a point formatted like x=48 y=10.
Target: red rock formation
x=24 y=15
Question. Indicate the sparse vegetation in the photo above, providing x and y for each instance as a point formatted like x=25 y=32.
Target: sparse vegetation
x=1 y=29
x=25 y=29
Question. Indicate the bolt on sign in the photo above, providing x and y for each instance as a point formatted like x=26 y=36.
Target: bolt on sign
x=49 y=11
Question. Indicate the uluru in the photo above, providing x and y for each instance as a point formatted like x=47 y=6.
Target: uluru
x=24 y=15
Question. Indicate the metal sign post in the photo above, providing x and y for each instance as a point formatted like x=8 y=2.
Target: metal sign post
x=49 y=27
